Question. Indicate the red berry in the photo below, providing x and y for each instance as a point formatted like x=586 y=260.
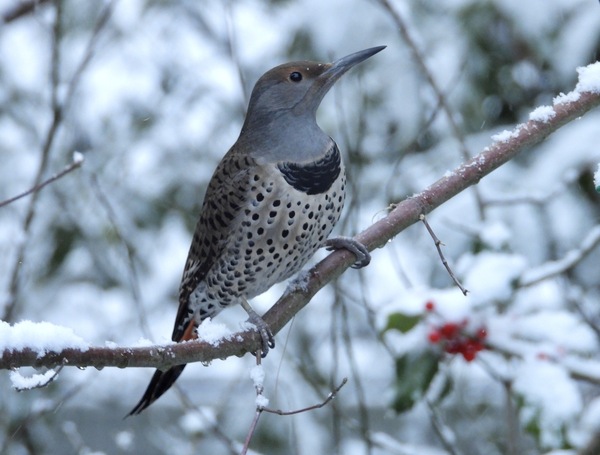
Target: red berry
x=449 y=330
x=429 y=306
x=453 y=347
x=481 y=333
x=477 y=345
x=434 y=336
x=469 y=355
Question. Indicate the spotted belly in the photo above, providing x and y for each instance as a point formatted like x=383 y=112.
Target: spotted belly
x=278 y=231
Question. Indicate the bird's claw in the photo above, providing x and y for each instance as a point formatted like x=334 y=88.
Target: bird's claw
x=363 y=257
x=266 y=336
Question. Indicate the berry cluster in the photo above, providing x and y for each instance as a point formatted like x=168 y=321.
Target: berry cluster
x=454 y=338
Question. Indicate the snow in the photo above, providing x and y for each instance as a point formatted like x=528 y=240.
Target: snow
x=41 y=337
x=597 y=178
x=505 y=136
x=261 y=401
x=589 y=78
x=564 y=98
x=589 y=81
x=257 y=374
x=557 y=406
x=78 y=157
x=197 y=421
x=20 y=382
x=542 y=114
x=495 y=234
x=124 y=440
x=561 y=328
x=491 y=276
x=213 y=332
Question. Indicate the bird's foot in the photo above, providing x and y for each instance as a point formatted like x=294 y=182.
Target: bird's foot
x=266 y=336
x=363 y=257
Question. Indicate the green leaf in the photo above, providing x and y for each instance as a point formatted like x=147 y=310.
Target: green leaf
x=402 y=322
x=414 y=373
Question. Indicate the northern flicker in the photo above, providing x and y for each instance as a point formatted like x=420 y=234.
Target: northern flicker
x=271 y=203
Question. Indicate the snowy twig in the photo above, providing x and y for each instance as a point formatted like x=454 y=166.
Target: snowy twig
x=405 y=213
x=571 y=259
x=77 y=162
x=444 y=432
x=261 y=401
x=37 y=381
x=578 y=368
x=438 y=244
x=258 y=376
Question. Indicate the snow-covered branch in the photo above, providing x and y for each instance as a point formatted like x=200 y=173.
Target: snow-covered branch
x=504 y=147
x=567 y=262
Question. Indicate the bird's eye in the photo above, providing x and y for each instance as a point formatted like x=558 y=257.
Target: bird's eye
x=295 y=76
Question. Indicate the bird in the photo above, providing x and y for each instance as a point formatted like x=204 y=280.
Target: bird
x=270 y=205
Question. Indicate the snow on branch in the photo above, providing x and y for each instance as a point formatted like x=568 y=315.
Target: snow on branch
x=504 y=147
x=567 y=262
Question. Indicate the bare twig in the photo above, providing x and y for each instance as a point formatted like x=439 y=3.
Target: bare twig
x=330 y=397
x=77 y=162
x=438 y=244
x=21 y=9
x=251 y=431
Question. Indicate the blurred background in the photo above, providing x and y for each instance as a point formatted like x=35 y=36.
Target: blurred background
x=153 y=94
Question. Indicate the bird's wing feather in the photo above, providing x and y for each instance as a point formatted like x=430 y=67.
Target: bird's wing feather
x=224 y=200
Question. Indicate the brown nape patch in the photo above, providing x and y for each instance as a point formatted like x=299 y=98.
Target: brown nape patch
x=190 y=332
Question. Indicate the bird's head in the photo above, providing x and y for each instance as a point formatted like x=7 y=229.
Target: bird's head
x=298 y=87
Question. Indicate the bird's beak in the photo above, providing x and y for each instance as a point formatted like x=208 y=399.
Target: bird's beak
x=334 y=71
x=339 y=67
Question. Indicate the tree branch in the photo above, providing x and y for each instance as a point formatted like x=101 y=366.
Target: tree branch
x=404 y=214
x=77 y=162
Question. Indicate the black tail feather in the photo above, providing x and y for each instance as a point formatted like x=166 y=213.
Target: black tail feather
x=160 y=383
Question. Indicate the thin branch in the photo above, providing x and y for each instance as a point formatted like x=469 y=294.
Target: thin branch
x=438 y=244
x=21 y=9
x=330 y=397
x=259 y=409
x=378 y=235
x=579 y=369
x=128 y=249
x=444 y=433
x=567 y=262
x=76 y=163
x=251 y=431
x=58 y=111
x=41 y=385
x=57 y=117
x=439 y=93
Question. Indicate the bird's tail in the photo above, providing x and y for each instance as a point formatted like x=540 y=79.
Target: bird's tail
x=160 y=383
